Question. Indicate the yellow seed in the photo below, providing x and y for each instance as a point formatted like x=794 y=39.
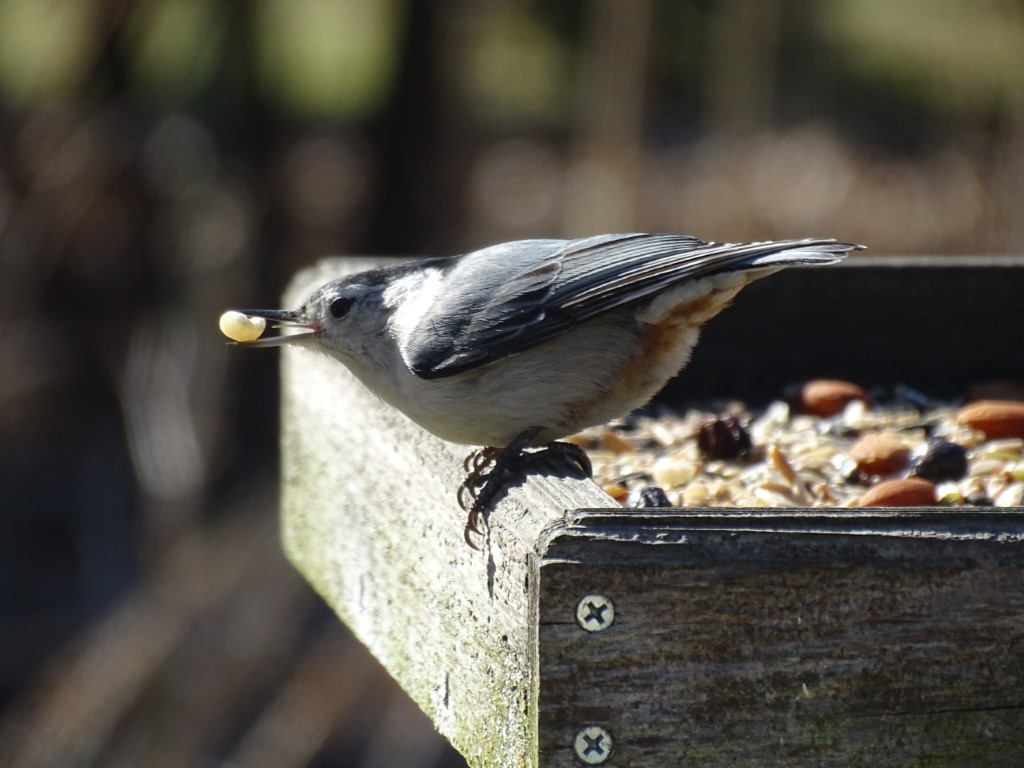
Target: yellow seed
x=1011 y=496
x=614 y=442
x=239 y=327
x=617 y=491
x=777 y=494
x=781 y=463
x=671 y=472
x=824 y=493
x=952 y=498
x=696 y=495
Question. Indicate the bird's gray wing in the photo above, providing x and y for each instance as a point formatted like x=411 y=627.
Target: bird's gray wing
x=508 y=298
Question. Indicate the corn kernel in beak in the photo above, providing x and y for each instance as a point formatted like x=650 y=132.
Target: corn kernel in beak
x=240 y=327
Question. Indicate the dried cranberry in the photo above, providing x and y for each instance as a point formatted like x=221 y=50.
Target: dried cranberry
x=723 y=438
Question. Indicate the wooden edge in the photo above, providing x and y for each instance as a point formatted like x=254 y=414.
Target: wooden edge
x=669 y=526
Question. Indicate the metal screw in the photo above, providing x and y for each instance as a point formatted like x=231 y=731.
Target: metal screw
x=593 y=745
x=595 y=613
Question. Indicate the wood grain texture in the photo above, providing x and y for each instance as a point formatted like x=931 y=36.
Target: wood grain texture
x=821 y=639
x=370 y=519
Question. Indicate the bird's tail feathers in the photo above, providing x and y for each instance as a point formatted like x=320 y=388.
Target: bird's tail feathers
x=809 y=252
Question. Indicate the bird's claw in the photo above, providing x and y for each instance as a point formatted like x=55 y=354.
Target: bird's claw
x=476 y=462
x=486 y=469
x=479 y=465
x=479 y=489
x=576 y=455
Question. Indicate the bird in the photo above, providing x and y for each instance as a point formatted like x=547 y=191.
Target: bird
x=514 y=346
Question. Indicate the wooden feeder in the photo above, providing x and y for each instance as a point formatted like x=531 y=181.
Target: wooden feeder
x=588 y=634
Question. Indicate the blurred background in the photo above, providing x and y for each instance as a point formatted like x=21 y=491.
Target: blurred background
x=163 y=160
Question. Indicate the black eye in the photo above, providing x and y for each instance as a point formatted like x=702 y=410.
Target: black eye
x=340 y=307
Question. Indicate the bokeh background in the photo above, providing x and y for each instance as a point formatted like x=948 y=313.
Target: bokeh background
x=162 y=160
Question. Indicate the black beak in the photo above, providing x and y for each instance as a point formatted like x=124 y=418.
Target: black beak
x=282 y=318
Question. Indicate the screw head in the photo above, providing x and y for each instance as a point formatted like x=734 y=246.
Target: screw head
x=595 y=613
x=593 y=745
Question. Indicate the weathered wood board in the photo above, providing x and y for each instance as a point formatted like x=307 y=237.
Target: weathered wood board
x=747 y=638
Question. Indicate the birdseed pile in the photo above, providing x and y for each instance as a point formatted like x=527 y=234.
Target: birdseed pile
x=830 y=447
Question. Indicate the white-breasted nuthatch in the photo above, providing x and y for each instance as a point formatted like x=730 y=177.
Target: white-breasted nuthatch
x=523 y=343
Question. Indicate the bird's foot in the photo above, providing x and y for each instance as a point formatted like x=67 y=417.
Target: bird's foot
x=569 y=453
x=487 y=468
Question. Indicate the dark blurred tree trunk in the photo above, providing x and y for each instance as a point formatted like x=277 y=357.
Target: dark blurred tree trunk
x=1008 y=173
x=420 y=142
x=743 y=45
x=606 y=170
